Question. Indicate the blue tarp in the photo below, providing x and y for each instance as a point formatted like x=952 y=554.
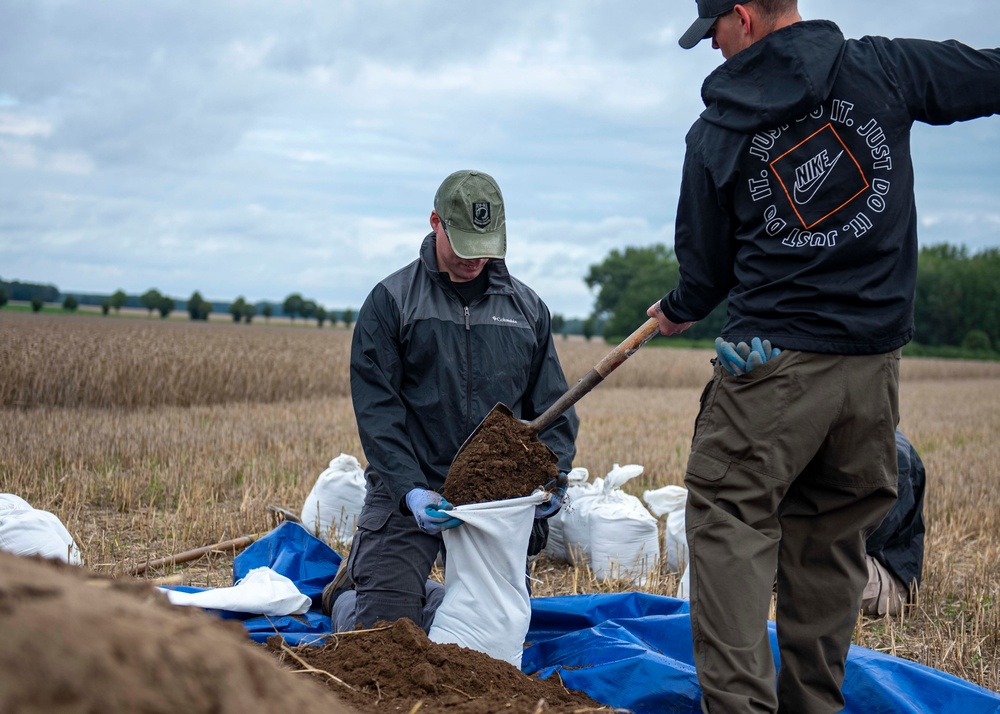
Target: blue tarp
x=627 y=650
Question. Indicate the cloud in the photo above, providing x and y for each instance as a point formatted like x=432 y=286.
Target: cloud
x=244 y=147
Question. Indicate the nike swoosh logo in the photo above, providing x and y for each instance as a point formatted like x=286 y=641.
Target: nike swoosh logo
x=806 y=191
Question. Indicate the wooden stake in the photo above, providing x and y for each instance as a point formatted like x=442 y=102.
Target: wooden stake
x=233 y=544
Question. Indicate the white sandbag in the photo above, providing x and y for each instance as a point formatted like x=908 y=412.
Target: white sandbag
x=555 y=547
x=262 y=591
x=670 y=501
x=575 y=521
x=624 y=539
x=25 y=530
x=332 y=507
x=486 y=603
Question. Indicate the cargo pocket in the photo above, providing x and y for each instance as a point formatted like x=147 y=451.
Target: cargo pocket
x=366 y=539
x=705 y=467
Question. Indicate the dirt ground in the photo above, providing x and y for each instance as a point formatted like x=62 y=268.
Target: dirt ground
x=75 y=641
x=396 y=668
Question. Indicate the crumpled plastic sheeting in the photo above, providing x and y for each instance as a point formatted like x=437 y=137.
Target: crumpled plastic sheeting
x=261 y=592
x=633 y=651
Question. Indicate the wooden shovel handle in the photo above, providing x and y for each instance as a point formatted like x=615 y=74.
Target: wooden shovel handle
x=595 y=376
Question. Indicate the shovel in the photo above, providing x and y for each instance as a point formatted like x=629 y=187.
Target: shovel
x=629 y=346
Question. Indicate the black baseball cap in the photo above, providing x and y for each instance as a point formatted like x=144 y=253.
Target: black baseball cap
x=708 y=12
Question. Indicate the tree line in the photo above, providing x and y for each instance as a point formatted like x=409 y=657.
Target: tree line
x=154 y=302
x=957 y=296
x=957 y=299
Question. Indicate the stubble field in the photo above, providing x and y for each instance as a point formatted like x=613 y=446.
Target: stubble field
x=148 y=438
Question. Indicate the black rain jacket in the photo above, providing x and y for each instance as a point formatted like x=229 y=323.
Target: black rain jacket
x=797 y=195
x=425 y=370
x=898 y=542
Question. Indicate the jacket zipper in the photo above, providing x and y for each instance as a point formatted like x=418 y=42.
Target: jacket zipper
x=468 y=359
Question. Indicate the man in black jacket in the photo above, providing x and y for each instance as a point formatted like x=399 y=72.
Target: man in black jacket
x=797 y=206
x=895 y=550
x=436 y=345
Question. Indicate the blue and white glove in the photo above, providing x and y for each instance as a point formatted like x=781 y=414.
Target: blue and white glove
x=557 y=492
x=740 y=359
x=430 y=509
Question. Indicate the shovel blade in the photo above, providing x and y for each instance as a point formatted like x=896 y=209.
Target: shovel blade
x=500 y=412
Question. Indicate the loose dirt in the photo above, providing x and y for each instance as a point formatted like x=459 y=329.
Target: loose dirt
x=396 y=668
x=74 y=641
x=504 y=460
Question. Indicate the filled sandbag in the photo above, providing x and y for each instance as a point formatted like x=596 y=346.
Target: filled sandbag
x=332 y=507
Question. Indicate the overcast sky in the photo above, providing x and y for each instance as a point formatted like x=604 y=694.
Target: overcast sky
x=257 y=148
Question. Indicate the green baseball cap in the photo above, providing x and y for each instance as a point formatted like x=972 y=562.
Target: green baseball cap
x=471 y=206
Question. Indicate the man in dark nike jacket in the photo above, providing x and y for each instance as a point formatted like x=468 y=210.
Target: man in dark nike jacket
x=797 y=205
x=436 y=345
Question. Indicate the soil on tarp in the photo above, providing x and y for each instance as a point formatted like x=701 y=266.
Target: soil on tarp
x=396 y=668
x=504 y=460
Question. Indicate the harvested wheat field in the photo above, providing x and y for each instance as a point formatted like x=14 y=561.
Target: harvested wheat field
x=147 y=438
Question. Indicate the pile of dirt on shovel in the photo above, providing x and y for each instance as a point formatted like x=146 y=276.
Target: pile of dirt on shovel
x=396 y=668
x=504 y=460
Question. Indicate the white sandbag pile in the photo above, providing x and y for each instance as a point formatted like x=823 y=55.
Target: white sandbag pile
x=27 y=531
x=607 y=529
x=331 y=510
x=577 y=489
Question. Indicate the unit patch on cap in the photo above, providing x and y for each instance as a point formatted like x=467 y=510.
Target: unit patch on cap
x=481 y=214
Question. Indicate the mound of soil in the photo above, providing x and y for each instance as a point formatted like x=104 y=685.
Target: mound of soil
x=505 y=459
x=73 y=641
x=76 y=641
x=396 y=668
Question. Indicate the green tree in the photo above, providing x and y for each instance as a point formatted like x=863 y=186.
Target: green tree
x=105 y=307
x=293 y=306
x=70 y=303
x=956 y=294
x=588 y=328
x=3 y=297
x=118 y=300
x=977 y=341
x=151 y=300
x=629 y=281
x=308 y=309
x=165 y=306
x=237 y=308
x=248 y=313
x=347 y=317
x=320 y=315
x=37 y=303
x=267 y=311
x=558 y=323
x=198 y=307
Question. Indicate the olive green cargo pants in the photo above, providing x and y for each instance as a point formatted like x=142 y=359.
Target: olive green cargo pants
x=791 y=466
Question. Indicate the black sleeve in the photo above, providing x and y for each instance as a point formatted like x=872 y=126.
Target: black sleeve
x=703 y=241
x=376 y=378
x=944 y=82
x=548 y=383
